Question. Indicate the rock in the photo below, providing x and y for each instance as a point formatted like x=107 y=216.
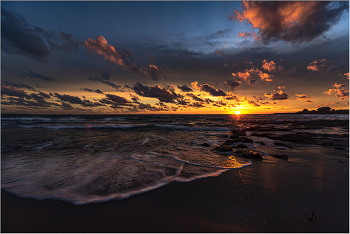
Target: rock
x=260 y=142
x=239 y=132
x=250 y=154
x=245 y=140
x=280 y=156
x=339 y=148
x=229 y=142
x=223 y=148
x=205 y=144
x=258 y=134
x=327 y=144
x=241 y=146
x=281 y=144
x=260 y=128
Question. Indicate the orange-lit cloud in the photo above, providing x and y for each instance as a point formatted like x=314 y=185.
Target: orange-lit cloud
x=122 y=58
x=247 y=75
x=336 y=85
x=101 y=47
x=271 y=66
x=345 y=75
x=317 y=65
x=277 y=96
x=290 y=21
x=338 y=93
x=302 y=97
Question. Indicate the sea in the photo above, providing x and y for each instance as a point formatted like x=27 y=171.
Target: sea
x=84 y=159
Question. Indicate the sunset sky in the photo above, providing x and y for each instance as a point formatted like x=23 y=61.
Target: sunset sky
x=173 y=57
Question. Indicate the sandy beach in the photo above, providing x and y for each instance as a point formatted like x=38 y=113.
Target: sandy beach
x=272 y=195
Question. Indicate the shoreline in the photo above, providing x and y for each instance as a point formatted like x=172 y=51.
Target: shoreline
x=268 y=196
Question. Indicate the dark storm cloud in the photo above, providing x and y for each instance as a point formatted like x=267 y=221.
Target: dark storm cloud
x=9 y=83
x=290 y=21
x=161 y=94
x=19 y=37
x=30 y=73
x=209 y=89
x=194 y=97
x=66 y=106
x=10 y=91
x=185 y=88
x=76 y=100
x=93 y=91
x=115 y=100
x=28 y=103
x=232 y=84
x=95 y=79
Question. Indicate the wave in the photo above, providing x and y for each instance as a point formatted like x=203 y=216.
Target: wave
x=127 y=126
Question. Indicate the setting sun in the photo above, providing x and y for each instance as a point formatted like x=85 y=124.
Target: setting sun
x=237 y=112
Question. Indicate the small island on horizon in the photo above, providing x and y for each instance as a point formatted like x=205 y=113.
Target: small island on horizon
x=321 y=110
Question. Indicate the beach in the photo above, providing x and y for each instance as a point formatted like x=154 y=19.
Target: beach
x=175 y=177
x=259 y=198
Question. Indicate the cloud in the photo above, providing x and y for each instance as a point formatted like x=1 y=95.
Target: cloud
x=76 y=100
x=209 y=89
x=289 y=21
x=271 y=66
x=232 y=84
x=30 y=73
x=19 y=37
x=95 y=79
x=122 y=58
x=161 y=94
x=317 y=65
x=194 y=97
x=338 y=93
x=93 y=91
x=9 y=83
x=345 y=75
x=302 y=97
x=277 y=96
x=336 y=85
x=185 y=88
x=10 y=91
x=152 y=71
x=335 y=67
x=101 y=47
x=67 y=42
x=116 y=101
x=247 y=75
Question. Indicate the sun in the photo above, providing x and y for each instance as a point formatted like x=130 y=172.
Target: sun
x=237 y=112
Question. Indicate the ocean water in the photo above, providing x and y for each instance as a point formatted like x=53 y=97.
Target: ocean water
x=83 y=159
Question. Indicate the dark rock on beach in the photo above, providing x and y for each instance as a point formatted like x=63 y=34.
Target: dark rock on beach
x=205 y=144
x=241 y=146
x=260 y=142
x=223 y=148
x=238 y=133
x=280 y=156
x=249 y=154
x=281 y=144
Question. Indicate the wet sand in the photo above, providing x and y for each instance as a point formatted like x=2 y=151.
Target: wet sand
x=272 y=195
